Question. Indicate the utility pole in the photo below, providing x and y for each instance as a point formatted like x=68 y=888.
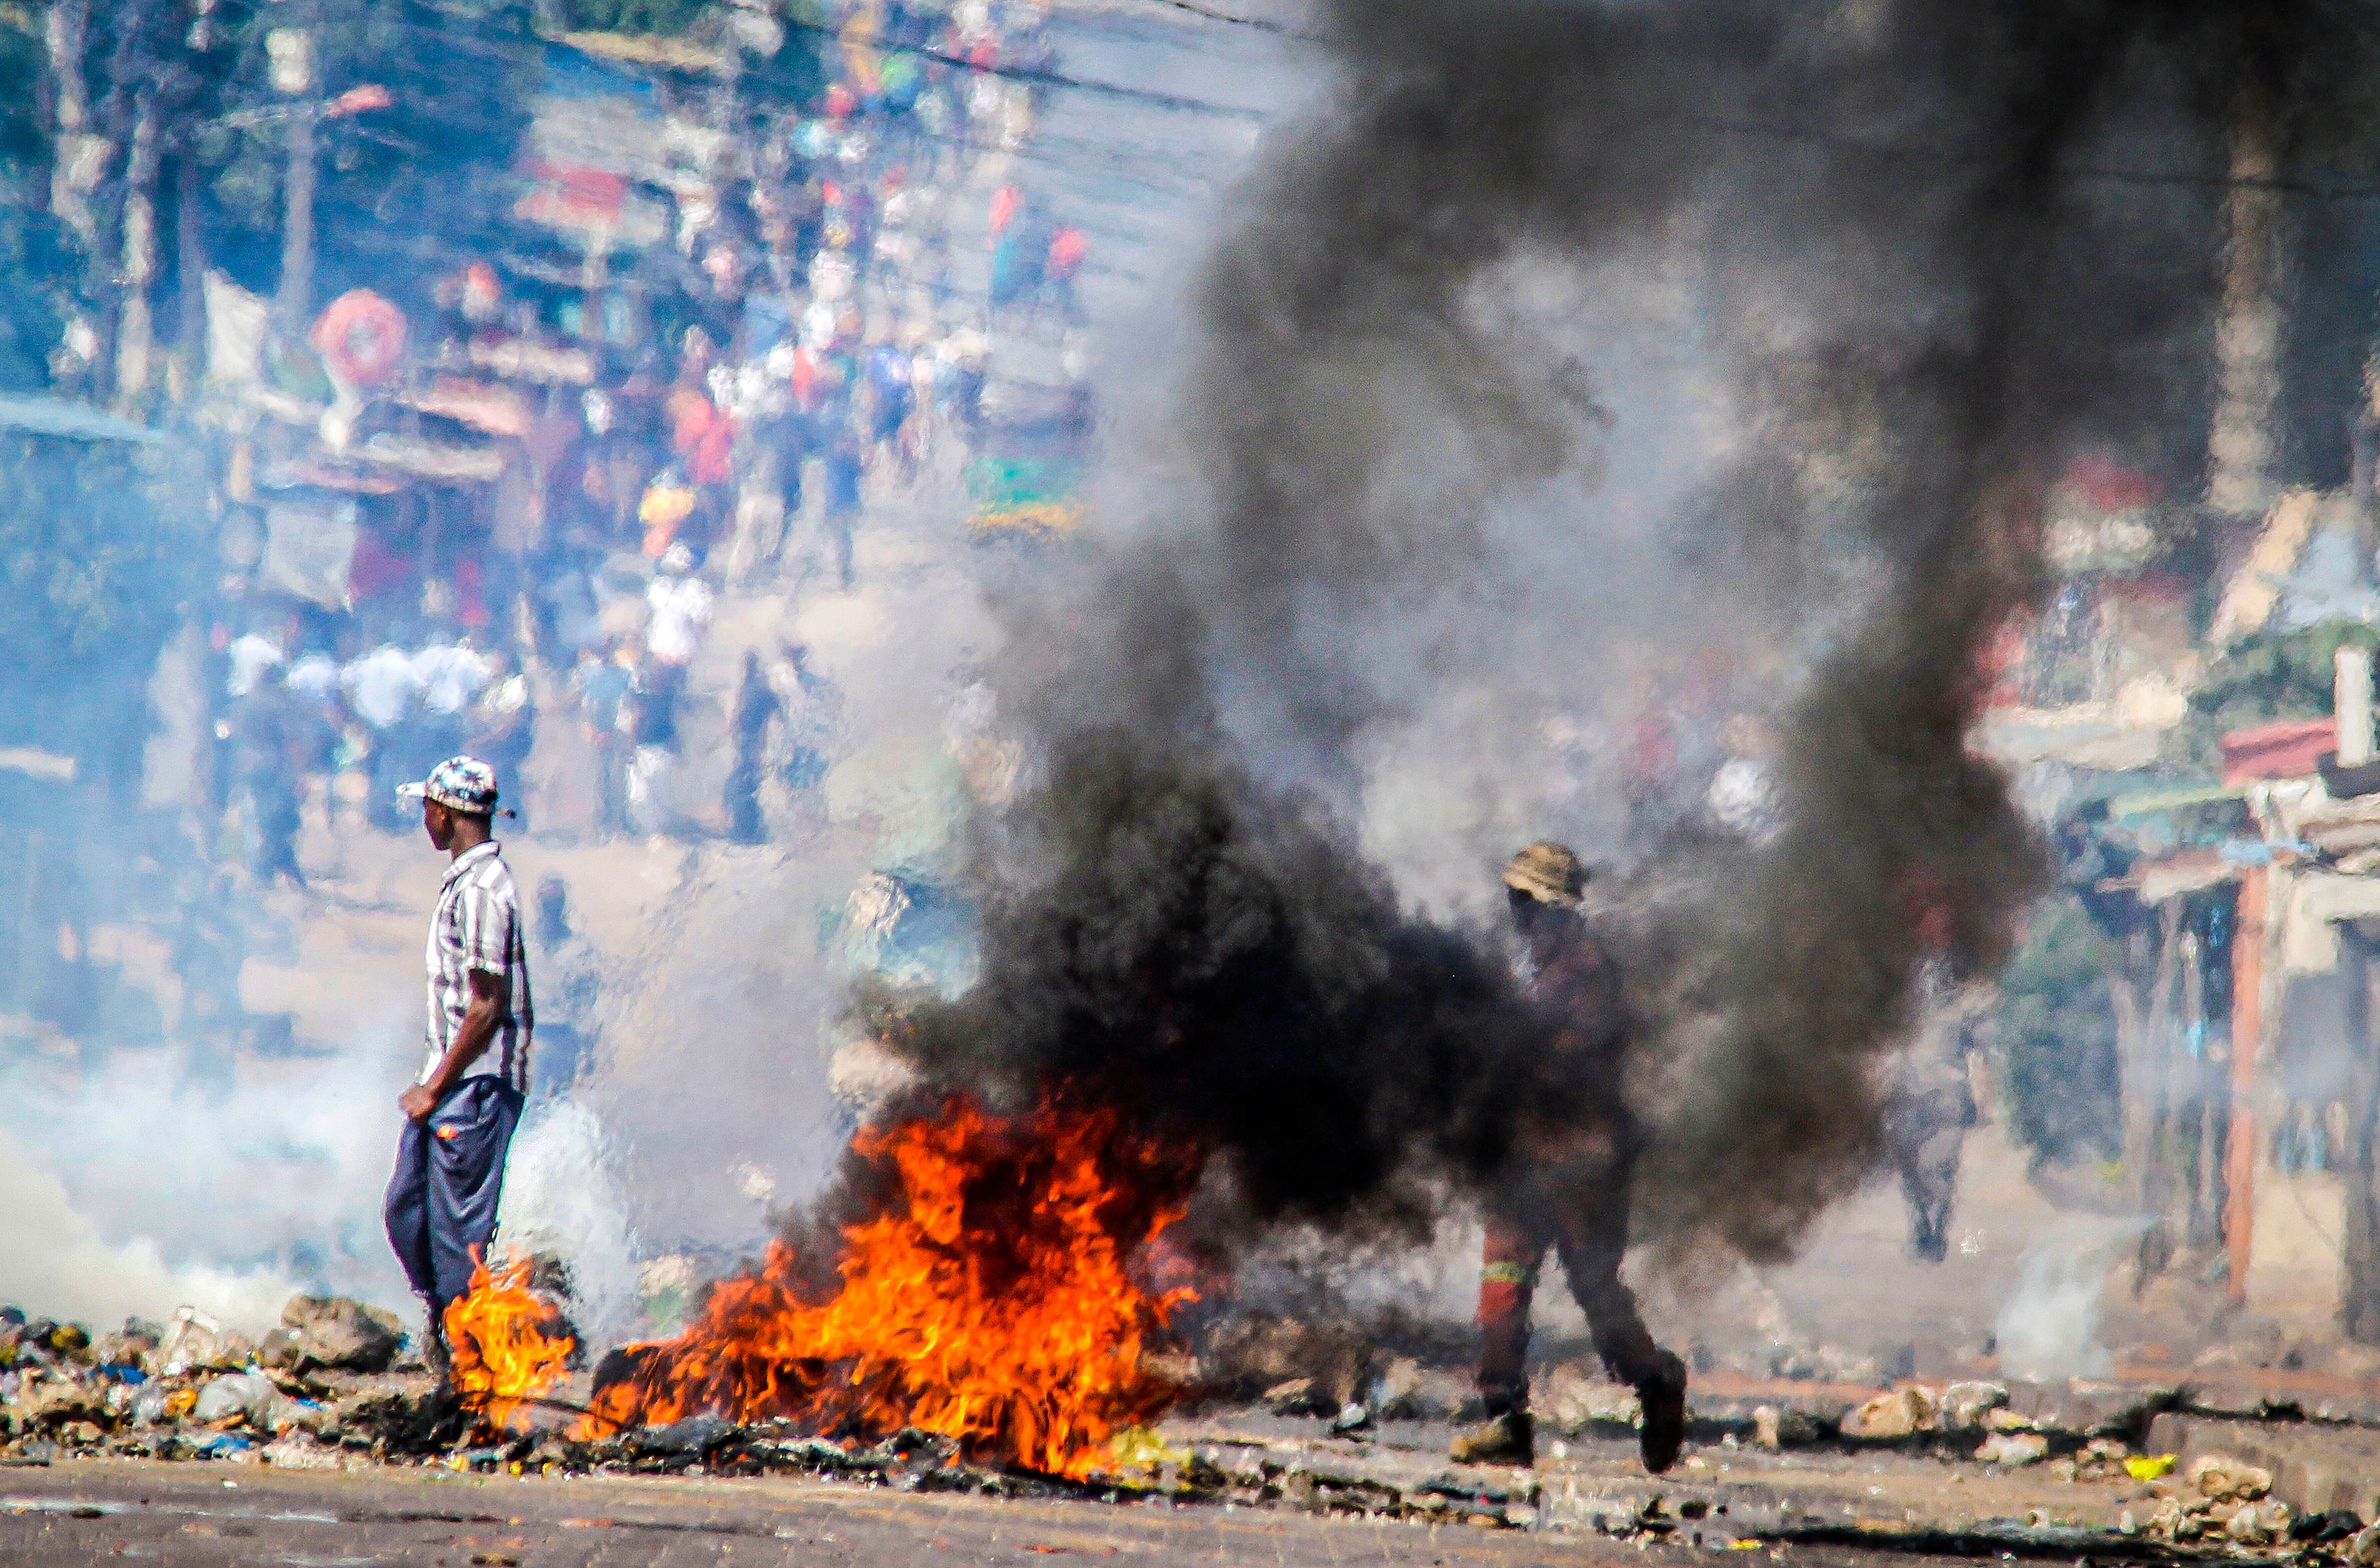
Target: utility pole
x=135 y=334
x=291 y=50
x=2242 y=445
x=2359 y=1284
x=80 y=156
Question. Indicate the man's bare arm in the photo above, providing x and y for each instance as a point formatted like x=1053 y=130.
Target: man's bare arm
x=479 y=1021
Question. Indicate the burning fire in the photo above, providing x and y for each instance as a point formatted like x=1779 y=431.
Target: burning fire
x=504 y=1343
x=992 y=1301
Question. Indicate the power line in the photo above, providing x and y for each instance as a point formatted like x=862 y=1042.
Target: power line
x=1259 y=23
x=1838 y=141
x=1034 y=77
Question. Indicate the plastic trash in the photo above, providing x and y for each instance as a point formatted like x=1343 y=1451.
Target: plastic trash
x=251 y=1394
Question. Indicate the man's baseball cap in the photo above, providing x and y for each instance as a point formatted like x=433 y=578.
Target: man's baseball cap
x=460 y=784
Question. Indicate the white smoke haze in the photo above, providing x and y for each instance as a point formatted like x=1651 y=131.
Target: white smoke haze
x=60 y=1262
x=2048 y=1327
x=561 y=1200
x=131 y=1193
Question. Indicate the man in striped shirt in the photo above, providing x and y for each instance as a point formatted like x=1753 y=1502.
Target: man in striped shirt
x=460 y=1113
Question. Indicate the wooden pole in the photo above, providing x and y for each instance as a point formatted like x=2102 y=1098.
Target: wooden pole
x=2358 y=1278
x=296 y=291
x=2247 y=1038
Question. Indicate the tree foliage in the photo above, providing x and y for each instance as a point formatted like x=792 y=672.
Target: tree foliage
x=630 y=16
x=2264 y=679
x=101 y=546
x=2062 y=1075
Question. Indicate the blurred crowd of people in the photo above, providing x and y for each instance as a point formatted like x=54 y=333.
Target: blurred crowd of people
x=814 y=332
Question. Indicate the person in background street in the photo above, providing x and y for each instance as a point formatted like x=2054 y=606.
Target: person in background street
x=1743 y=796
x=968 y=351
x=453 y=675
x=249 y=657
x=267 y=747
x=756 y=706
x=384 y=690
x=1566 y=1186
x=680 y=603
x=505 y=720
x=887 y=405
x=650 y=716
x=572 y=987
x=600 y=683
x=1932 y=1105
x=459 y=1114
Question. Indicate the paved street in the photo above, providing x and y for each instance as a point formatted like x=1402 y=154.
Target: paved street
x=193 y=1514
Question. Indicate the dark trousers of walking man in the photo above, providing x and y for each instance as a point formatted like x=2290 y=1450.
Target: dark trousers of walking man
x=441 y=1208
x=442 y=1202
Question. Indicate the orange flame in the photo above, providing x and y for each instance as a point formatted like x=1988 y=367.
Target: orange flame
x=996 y=1306
x=503 y=1344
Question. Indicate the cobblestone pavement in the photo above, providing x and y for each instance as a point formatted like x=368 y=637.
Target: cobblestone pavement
x=189 y=1515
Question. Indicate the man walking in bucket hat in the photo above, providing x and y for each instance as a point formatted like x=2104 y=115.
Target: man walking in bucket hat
x=460 y=1113
x=1565 y=1190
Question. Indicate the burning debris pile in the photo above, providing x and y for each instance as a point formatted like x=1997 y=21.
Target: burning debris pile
x=992 y=1302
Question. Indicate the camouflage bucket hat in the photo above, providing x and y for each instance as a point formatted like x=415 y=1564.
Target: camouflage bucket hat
x=460 y=784
x=1549 y=873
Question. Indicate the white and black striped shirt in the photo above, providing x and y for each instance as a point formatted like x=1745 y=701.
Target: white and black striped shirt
x=478 y=926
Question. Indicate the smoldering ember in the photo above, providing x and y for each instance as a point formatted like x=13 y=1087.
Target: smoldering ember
x=1487 y=779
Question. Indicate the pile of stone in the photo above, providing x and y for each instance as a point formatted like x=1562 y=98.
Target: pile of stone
x=2218 y=1498
x=327 y=1381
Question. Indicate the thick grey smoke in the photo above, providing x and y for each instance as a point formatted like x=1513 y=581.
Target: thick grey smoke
x=1911 y=258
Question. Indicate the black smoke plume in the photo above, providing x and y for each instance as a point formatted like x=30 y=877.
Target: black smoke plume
x=1935 y=248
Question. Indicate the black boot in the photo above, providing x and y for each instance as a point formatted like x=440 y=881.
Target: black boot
x=1663 y=1397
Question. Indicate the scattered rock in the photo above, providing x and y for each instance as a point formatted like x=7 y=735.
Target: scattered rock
x=333 y=1332
x=2014 y=1448
x=1298 y=1396
x=1572 y=1401
x=695 y=1435
x=52 y=1402
x=401 y=1415
x=299 y=1453
x=2260 y=1524
x=1260 y=1353
x=2337 y=1525
x=1902 y=1413
x=1964 y=1405
x=1407 y=1390
x=2221 y=1477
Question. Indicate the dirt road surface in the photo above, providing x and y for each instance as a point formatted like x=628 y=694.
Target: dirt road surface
x=191 y=1514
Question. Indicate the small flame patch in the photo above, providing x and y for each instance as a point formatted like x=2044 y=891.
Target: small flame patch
x=506 y=1343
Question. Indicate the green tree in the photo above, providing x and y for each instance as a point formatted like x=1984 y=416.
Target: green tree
x=629 y=16
x=101 y=546
x=2062 y=1076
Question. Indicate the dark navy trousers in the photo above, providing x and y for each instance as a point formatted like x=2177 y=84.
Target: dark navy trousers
x=450 y=1173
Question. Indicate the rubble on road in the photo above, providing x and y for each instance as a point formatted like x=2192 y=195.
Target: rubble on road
x=327 y=1389
x=322 y=1389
